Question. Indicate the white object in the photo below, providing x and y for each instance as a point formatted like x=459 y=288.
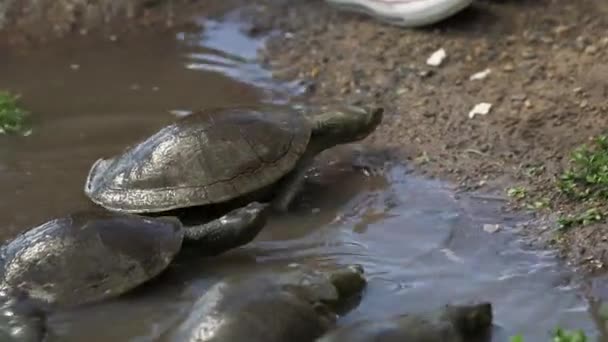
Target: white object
x=407 y=13
x=437 y=57
x=480 y=109
x=491 y=228
x=480 y=75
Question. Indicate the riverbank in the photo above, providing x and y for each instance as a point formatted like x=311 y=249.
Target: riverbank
x=547 y=86
x=547 y=62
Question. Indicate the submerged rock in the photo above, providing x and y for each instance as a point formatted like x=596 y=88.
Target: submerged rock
x=452 y=323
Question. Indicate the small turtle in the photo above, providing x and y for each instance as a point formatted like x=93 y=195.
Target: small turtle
x=451 y=323
x=296 y=305
x=90 y=256
x=221 y=154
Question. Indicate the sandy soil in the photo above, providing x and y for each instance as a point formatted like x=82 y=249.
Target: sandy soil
x=547 y=86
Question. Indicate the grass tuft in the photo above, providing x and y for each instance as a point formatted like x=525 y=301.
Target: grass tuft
x=12 y=116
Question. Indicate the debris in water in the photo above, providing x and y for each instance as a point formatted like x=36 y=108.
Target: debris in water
x=482 y=108
x=480 y=75
x=451 y=255
x=180 y=113
x=437 y=57
x=491 y=228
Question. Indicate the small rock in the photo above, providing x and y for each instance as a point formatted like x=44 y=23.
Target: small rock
x=74 y=66
x=482 y=108
x=437 y=57
x=577 y=90
x=401 y=91
x=518 y=97
x=113 y=38
x=528 y=104
x=591 y=50
x=491 y=228
x=480 y=75
x=561 y=29
x=425 y=73
x=528 y=54
x=584 y=104
x=508 y=67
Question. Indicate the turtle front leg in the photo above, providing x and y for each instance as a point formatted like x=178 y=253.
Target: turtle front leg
x=291 y=185
x=237 y=228
x=19 y=322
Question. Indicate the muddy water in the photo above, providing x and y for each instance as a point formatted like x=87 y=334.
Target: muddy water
x=421 y=245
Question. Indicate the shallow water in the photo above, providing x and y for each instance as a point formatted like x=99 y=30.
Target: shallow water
x=420 y=244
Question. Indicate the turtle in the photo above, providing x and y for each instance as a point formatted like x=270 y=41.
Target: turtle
x=449 y=323
x=296 y=304
x=94 y=255
x=223 y=154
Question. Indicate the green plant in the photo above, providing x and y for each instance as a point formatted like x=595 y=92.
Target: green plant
x=12 y=117
x=559 y=335
x=517 y=192
x=586 y=217
x=587 y=175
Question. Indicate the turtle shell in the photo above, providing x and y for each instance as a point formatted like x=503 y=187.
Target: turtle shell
x=210 y=156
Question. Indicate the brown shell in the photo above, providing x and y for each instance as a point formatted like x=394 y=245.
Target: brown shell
x=208 y=157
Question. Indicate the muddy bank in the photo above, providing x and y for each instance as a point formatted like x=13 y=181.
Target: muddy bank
x=31 y=22
x=548 y=64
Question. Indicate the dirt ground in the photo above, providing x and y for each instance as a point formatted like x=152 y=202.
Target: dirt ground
x=548 y=86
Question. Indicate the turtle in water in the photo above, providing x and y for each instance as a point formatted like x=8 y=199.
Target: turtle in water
x=450 y=323
x=298 y=304
x=90 y=256
x=223 y=154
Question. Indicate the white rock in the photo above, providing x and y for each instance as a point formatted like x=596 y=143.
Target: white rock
x=491 y=228
x=482 y=108
x=437 y=57
x=480 y=75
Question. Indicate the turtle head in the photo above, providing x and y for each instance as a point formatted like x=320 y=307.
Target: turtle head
x=344 y=124
x=332 y=285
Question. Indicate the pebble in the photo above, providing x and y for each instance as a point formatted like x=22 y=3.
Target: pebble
x=437 y=57
x=519 y=97
x=491 y=228
x=508 y=67
x=480 y=75
x=591 y=50
x=482 y=108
